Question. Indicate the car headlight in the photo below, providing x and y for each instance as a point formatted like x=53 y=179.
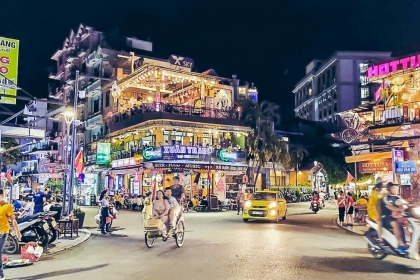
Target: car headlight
x=248 y=204
x=272 y=205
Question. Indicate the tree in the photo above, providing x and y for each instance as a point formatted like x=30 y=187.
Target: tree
x=10 y=156
x=262 y=118
x=336 y=172
x=280 y=154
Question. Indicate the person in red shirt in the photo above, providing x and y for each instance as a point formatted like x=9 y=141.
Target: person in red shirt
x=350 y=209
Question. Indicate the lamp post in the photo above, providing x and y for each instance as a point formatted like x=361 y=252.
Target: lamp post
x=69 y=117
x=210 y=151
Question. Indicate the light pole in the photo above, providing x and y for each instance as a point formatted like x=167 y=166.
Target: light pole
x=210 y=151
x=69 y=117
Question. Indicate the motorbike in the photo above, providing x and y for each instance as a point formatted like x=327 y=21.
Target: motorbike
x=152 y=231
x=54 y=227
x=97 y=218
x=33 y=228
x=315 y=206
x=390 y=245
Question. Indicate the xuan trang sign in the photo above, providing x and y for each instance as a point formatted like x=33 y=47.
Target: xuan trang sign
x=394 y=66
x=375 y=166
x=179 y=152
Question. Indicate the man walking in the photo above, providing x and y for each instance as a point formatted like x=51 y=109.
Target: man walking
x=6 y=215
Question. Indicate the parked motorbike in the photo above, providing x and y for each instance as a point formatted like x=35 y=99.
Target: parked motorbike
x=315 y=206
x=54 y=227
x=390 y=245
x=34 y=229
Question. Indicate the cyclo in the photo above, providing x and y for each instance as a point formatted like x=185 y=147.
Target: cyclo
x=155 y=228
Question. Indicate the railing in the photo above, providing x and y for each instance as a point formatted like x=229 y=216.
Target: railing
x=408 y=113
x=158 y=107
x=93 y=86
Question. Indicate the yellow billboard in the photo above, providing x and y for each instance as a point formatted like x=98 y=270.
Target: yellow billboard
x=9 y=57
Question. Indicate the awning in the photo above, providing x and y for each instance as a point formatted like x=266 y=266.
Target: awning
x=368 y=157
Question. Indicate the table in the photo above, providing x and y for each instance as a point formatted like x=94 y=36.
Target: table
x=72 y=225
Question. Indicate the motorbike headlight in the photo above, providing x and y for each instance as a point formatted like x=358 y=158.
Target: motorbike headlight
x=272 y=205
x=248 y=204
x=416 y=211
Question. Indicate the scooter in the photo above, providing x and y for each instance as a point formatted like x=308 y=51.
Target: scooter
x=315 y=206
x=97 y=218
x=54 y=227
x=390 y=241
x=34 y=229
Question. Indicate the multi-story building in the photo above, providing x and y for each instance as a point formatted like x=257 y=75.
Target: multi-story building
x=385 y=136
x=334 y=85
x=133 y=101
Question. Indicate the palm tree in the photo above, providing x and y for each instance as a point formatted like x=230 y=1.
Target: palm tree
x=262 y=118
x=297 y=154
x=280 y=154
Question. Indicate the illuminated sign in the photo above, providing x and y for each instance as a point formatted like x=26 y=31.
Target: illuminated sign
x=406 y=167
x=375 y=166
x=394 y=66
x=225 y=155
x=152 y=153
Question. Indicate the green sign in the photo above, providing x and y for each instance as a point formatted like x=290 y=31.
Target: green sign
x=9 y=55
x=103 y=153
x=226 y=155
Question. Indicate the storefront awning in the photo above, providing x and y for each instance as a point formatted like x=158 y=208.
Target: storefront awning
x=369 y=157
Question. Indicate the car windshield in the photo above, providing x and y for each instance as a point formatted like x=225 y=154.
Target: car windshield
x=264 y=196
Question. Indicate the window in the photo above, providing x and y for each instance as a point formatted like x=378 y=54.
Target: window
x=107 y=98
x=96 y=106
x=364 y=93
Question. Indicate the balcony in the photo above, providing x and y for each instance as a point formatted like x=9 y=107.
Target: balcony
x=155 y=111
x=94 y=119
x=93 y=88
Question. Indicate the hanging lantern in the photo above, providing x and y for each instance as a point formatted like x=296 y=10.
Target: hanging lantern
x=398 y=81
x=396 y=89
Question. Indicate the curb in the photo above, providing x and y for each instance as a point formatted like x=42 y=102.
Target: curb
x=347 y=229
x=87 y=236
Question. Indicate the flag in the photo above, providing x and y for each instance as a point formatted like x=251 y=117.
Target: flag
x=8 y=175
x=349 y=178
x=79 y=163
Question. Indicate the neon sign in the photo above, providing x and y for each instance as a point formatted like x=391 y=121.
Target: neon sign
x=394 y=66
x=225 y=155
x=152 y=153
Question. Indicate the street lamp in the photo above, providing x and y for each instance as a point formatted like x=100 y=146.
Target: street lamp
x=69 y=117
x=210 y=151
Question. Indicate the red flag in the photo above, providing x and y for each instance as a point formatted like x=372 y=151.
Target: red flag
x=349 y=178
x=8 y=175
x=79 y=163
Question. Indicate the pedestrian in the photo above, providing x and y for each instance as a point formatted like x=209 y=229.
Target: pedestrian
x=350 y=209
x=341 y=203
x=39 y=200
x=6 y=216
x=105 y=216
x=240 y=198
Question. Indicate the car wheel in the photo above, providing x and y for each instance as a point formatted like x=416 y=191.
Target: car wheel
x=245 y=220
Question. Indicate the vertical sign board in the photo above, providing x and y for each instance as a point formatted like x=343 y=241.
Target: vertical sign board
x=103 y=153
x=9 y=55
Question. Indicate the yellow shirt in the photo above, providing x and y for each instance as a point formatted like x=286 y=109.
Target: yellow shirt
x=362 y=202
x=6 y=211
x=372 y=206
x=195 y=202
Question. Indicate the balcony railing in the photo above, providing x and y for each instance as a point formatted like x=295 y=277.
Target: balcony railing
x=408 y=113
x=160 y=110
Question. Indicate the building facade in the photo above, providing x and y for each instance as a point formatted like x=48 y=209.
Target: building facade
x=142 y=105
x=334 y=85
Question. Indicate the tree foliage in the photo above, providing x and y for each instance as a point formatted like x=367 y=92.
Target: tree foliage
x=10 y=157
x=54 y=184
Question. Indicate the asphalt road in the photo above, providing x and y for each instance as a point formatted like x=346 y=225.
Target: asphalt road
x=221 y=246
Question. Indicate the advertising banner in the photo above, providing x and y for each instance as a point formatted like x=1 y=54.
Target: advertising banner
x=375 y=166
x=103 y=153
x=9 y=55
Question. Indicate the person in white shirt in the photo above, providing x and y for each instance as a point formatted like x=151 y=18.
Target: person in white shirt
x=27 y=209
x=175 y=210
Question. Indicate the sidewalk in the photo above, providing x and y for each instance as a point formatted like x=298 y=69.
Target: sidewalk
x=63 y=243
x=359 y=229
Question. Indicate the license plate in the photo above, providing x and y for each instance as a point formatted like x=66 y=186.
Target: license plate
x=53 y=223
x=258 y=212
x=46 y=226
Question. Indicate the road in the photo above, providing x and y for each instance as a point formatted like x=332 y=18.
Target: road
x=222 y=246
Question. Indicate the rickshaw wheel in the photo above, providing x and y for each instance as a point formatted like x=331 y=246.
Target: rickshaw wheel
x=180 y=232
x=149 y=241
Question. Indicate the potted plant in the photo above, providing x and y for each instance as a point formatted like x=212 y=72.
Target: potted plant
x=79 y=214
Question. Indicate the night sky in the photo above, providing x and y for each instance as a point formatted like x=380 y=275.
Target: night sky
x=268 y=44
